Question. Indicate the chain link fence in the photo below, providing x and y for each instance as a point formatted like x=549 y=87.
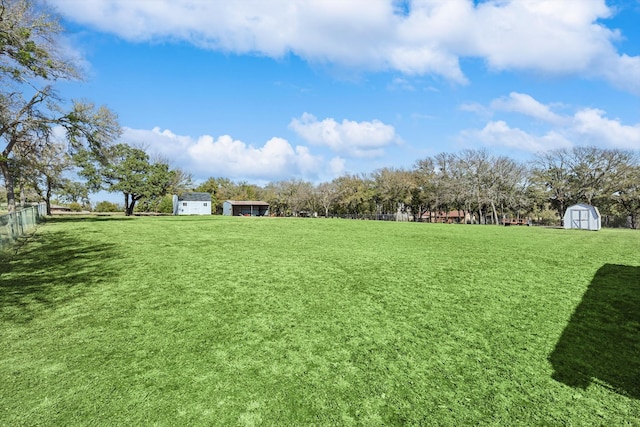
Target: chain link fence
x=19 y=223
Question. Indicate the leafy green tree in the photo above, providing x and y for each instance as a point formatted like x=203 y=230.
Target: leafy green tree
x=73 y=191
x=355 y=194
x=165 y=204
x=246 y=191
x=211 y=186
x=29 y=46
x=392 y=187
x=75 y=207
x=130 y=172
x=221 y=189
x=181 y=182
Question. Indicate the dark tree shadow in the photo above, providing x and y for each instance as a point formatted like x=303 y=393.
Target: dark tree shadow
x=48 y=270
x=602 y=340
x=88 y=218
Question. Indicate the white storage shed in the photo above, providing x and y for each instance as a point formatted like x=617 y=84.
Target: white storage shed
x=192 y=204
x=582 y=216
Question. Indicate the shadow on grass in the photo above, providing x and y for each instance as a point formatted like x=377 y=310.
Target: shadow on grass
x=87 y=218
x=602 y=340
x=49 y=270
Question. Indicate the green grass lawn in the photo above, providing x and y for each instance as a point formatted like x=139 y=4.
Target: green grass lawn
x=259 y=321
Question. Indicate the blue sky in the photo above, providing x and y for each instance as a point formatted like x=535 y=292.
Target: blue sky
x=264 y=90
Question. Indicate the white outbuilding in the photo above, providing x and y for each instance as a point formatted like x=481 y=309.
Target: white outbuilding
x=245 y=208
x=582 y=216
x=192 y=204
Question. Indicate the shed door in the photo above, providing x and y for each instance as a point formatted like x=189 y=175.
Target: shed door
x=580 y=218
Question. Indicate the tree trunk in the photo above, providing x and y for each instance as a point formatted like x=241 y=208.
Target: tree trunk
x=495 y=214
x=47 y=198
x=9 y=184
x=126 y=204
x=129 y=208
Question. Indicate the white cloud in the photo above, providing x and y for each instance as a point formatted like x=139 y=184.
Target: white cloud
x=587 y=126
x=593 y=127
x=547 y=36
x=160 y=142
x=359 y=139
x=526 y=104
x=207 y=156
x=623 y=71
x=499 y=134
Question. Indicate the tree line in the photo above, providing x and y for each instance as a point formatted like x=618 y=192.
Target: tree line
x=485 y=187
x=65 y=149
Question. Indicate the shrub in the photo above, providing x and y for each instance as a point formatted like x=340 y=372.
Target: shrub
x=75 y=207
x=166 y=205
x=105 y=206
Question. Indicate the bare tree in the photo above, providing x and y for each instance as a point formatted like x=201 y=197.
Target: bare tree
x=326 y=194
x=44 y=170
x=583 y=174
x=627 y=194
x=551 y=171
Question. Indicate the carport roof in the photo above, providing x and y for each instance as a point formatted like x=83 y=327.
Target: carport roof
x=247 y=203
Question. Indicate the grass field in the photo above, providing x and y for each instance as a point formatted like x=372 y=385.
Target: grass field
x=258 y=321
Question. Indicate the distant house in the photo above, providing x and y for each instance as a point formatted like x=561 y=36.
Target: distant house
x=582 y=216
x=245 y=208
x=192 y=204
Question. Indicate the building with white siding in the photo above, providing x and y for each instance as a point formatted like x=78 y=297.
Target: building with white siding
x=582 y=216
x=192 y=204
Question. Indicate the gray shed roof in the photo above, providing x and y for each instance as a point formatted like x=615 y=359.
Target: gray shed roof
x=247 y=203
x=195 y=197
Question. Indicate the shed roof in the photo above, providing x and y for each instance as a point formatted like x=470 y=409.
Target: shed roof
x=195 y=197
x=583 y=206
x=247 y=203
